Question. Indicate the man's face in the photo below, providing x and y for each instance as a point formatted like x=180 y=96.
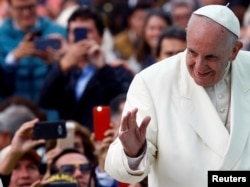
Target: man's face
x=170 y=47
x=24 y=13
x=208 y=51
x=89 y=24
x=71 y=164
x=25 y=173
x=181 y=15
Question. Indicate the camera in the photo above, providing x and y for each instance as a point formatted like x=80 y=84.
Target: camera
x=44 y=44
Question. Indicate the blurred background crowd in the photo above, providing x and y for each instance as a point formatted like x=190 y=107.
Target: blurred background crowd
x=67 y=79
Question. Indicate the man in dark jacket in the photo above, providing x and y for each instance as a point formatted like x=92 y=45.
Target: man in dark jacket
x=82 y=79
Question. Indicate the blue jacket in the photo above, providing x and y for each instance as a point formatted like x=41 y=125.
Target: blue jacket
x=26 y=77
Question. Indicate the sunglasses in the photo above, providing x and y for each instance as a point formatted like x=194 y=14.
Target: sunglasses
x=70 y=168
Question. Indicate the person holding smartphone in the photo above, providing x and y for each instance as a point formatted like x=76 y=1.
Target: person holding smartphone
x=19 y=161
x=82 y=78
x=24 y=66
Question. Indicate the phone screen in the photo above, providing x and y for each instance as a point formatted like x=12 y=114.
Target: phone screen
x=44 y=44
x=80 y=33
x=101 y=115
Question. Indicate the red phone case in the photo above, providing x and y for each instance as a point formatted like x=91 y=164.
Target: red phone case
x=101 y=120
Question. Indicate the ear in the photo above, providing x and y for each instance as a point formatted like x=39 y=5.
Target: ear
x=5 y=139
x=238 y=45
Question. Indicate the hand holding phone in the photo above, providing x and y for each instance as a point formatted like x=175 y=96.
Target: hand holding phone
x=80 y=33
x=50 y=130
x=101 y=120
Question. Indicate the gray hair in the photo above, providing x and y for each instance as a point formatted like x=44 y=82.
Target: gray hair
x=13 y=117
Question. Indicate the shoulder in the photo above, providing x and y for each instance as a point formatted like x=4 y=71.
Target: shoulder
x=162 y=76
x=243 y=54
x=6 y=24
x=242 y=59
x=51 y=26
x=167 y=68
x=240 y=65
x=121 y=37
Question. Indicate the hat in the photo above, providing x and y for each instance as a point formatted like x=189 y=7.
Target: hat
x=62 y=179
x=221 y=15
x=32 y=153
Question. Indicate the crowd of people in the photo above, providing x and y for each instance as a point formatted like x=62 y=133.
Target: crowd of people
x=130 y=59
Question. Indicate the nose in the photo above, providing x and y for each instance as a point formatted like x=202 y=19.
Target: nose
x=24 y=173
x=200 y=64
x=77 y=173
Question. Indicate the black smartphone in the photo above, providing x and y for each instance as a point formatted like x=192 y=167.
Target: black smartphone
x=50 y=130
x=80 y=33
x=43 y=44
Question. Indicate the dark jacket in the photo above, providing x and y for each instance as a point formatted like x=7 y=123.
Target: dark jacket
x=58 y=92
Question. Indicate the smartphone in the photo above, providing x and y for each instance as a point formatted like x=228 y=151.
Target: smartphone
x=50 y=130
x=44 y=44
x=68 y=141
x=101 y=121
x=80 y=33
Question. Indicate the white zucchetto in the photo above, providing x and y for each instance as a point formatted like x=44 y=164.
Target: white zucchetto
x=221 y=15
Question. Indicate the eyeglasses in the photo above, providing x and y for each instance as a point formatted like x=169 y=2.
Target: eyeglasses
x=30 y=7
x=70 y=168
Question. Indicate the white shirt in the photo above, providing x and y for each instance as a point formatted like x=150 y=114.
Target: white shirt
x=83 y=80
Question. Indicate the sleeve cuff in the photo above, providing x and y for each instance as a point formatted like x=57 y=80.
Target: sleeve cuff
x=137 y=165
x=10 y=59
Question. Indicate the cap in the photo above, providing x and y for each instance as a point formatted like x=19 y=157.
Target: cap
x=221 y=15
x=62 y=179
x=32 y=153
